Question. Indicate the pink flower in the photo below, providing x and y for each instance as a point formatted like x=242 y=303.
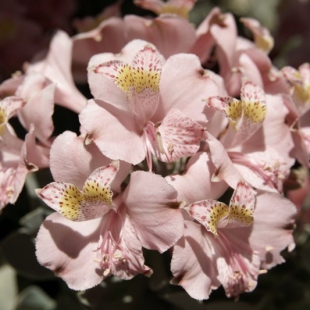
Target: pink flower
x=147 y=107
x=257 y=140
x=227 y=245
x=105 y=227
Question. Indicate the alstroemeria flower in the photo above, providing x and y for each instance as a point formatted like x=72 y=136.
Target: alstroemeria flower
x=235 y=264
x=119 y=225
x=227 y=244
x=145 y=107
x=178 y=7
x=257 y=142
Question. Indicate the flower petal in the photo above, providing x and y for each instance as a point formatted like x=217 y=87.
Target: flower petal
x=176 y=137
x=154 y=210
x=209 y=213
x=93 y=201
x=192 y=262
x=67 y=248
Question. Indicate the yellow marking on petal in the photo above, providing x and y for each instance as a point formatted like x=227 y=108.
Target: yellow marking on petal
x=124 y=78
x=218 y=212
x=264 y=42
x=255 y=111
x=93 y=193
x=303 y=93
x=3 y=120
x=241 y=214
x=169 y=9
x=234 y=109
x=144 y=79
x=71 y=202
x=297 y=75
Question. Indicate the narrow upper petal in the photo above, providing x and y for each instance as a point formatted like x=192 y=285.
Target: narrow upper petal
x=176 y=137
x=93 y=201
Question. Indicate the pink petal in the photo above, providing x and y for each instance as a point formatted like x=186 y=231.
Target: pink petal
x=231 y=107
x=274 y=133
x=241 y=206
x=9 y=106
x=116 y=135
x=140 y=81
x=237 y=263
x=73 y=161
x=196 y=184
x=183 y=85
x=226 y=170
x=93 y=201
x=272 y=230
x=120 y=251
x=254 y=112
x=40 y=106
x=204 y=39
x=57 y=67
x=263 y=170
x=209 y=213
x=109 y=37
x=67 y=248
x=170 y=34
x=24 y=166
x=146 y=74
x=262 y=37
x=176 y=137
x=154 y=210
x=192 y=262
x=225 y=38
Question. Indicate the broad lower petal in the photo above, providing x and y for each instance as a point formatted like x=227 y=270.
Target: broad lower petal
x=113 y=131
x=192 y=262
x=196 y=184
x=72 y=161
x=274 y=218
x=154 y=210
x=67 y=248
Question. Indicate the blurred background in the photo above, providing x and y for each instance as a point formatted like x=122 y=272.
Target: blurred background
x=26 y=27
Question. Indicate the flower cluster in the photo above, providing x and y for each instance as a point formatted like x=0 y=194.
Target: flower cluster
x=162 y=140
